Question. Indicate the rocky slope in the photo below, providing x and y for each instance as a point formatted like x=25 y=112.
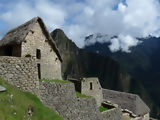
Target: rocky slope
x=79 y=63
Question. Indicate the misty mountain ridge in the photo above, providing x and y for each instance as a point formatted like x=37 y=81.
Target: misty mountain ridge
x=143 y=54
x=142 y=63
x=115 y=46
x=98 y=37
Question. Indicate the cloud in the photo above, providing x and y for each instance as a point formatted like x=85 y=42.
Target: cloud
x=142 y=16
x=128 y=19
x=53 y=14
x=122 y=7
x=123 y=43
x=17 y=13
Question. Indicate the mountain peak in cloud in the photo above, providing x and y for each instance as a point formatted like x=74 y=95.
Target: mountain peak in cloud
x=116 y=43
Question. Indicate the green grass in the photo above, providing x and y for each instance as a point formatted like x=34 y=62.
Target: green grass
x=16 y=108
x=101 y=108
x=79 y=95
x=58 y=81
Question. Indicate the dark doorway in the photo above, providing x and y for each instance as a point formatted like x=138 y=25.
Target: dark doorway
x=91 y=86
x=9 y=51
x=38 y=54
x=39 y=71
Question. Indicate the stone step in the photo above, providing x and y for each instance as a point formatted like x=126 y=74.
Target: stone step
x=2 y=88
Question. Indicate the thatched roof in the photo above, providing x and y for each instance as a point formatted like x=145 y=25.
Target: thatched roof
x=128 y=101
x=18 y=34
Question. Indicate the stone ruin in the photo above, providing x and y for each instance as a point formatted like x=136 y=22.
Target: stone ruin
x=28 y=53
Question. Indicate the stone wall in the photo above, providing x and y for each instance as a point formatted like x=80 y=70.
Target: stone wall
x=92 y=87
x=21 y=72
x=50 y=65
x=62 y=98
x=128 y=116
x=112 y=114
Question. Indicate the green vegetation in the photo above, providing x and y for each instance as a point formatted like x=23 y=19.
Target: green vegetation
x=79 y=95
x=16 y=104
x=101 y=108
x=58 y=81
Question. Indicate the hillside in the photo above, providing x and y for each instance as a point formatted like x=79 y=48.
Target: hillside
x=19 y=105
x=142 y=63
x=79 y=63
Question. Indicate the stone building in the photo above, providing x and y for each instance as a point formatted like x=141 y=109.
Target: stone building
x=33 y=40
x=89 y=86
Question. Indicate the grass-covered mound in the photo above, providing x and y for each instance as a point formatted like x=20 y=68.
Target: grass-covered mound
x=57 y=81
x=19 y=105
x=101 y=108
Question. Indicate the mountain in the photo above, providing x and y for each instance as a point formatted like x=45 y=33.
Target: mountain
x=142 y=63
x=79 y=63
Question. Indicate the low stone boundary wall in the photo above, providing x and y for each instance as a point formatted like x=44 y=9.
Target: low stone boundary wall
x=21 y=72
x=62 y=98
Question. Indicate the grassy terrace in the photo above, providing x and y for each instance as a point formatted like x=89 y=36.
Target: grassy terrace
x=58 y=81
x=101 y=109
x=79 y=95
x=14 y=105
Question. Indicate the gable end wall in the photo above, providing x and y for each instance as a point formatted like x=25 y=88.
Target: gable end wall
x=96 y=91
x=49 y=62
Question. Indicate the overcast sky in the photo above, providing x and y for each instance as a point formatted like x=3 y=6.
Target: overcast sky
x=127 y=19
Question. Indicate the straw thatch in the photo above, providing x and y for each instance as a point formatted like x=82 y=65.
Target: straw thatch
x=128 y=101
